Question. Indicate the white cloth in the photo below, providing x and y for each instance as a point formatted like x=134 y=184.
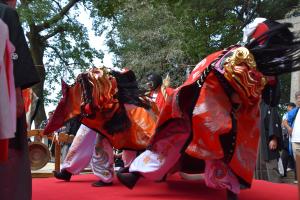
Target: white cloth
x=296 y=129
x=7 y=86
x=84 y=150
x=250 y=28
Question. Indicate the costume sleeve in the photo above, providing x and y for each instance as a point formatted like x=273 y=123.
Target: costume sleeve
x=25 y=73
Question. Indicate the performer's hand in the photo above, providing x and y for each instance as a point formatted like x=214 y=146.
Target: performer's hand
x=19 y=102
x=273 y=144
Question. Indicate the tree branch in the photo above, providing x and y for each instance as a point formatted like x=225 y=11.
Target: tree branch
x=58 y=16
x=61 y=58
x=57 y=3
x=57 y=30
x=58 y=54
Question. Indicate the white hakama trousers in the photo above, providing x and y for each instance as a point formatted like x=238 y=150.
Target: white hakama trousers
x=154 y=164
x=157 y=162
x=90 y=147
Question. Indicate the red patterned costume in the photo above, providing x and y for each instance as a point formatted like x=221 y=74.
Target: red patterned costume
x=220 y=131
x=214 y=116
x=109 y=103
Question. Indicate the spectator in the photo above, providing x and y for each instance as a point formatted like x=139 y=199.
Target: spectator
x=70 y=128
x=42 y=126
x=73 y=125
x=293 y=126
x=270 y=134
x=15 y=173
x=63 y=129
x=287 y=154
x=45 y=122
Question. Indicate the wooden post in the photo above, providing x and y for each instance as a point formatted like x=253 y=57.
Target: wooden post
x=57 y=155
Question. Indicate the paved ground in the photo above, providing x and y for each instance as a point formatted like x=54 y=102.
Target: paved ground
x=290 y=178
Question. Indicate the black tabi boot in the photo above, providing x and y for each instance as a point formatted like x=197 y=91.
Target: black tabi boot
x=231 y=195
x=62 y=175
x=123 y=170
x=129 y=179
x=101 y=184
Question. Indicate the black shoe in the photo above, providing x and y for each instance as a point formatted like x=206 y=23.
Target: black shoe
x=62 y=175
x=123 y=170
x=231 y=195
x=128 y=179
x=101 y=184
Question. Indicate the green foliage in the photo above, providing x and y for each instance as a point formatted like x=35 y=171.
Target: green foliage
x=168 y=36
x=57 y=39
x=276 y=9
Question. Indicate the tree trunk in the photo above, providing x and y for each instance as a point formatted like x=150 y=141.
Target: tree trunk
x=37 y=52
x=38 y=90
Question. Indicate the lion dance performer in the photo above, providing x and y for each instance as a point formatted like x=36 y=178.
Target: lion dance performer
x=214 y=116
x=114 y=114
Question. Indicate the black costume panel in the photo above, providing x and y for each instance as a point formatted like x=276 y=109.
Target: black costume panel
x=25 y=73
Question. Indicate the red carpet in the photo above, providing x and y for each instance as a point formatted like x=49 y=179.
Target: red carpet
x=174 y=189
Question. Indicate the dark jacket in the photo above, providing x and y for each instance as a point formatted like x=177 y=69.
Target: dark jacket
x=25 y=74
x=270 y=122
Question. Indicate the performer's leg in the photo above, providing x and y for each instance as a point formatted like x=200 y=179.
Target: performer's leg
x=128 y=157
x=154 y=164
x=102 y=162
x=79 y=154
x=158 y=161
